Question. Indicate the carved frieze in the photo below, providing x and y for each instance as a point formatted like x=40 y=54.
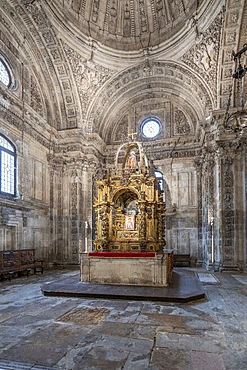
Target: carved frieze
x=4 y=216
x=11 y=118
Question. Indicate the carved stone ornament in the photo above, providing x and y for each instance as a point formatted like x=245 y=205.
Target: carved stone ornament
x=128 y=24
x=36 y=98
x=164 y=72
x=89 y=77
x=182 y=126
x=203 y=56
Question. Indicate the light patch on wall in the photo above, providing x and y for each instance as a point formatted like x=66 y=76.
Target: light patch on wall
x=38 y=180
x=183 y=189
x=38 y=242
x=8 y=239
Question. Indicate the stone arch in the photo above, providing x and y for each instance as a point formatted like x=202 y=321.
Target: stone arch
x=36 y=51
x=164 y=79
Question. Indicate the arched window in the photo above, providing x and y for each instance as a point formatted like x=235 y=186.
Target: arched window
x=150 y=128
x=7 y=167
x=5 y=75
x=159 y=176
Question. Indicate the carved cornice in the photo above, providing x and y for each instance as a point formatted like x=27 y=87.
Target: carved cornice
x=31 y=123
x=225 y=149
x=80 y=161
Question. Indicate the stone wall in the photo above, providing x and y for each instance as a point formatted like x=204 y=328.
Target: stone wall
x=25 y=217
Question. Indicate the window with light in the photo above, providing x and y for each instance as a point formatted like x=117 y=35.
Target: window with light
x=150 y=128
x=4 y=74
x=7 y=167
x=159 y=176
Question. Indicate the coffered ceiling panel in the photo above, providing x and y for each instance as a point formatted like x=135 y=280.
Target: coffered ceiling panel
x=128 y=24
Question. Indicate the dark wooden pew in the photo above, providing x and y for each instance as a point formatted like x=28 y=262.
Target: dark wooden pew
x=181 y=260
x=19 y=261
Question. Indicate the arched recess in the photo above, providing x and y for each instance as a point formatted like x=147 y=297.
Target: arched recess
x=42 y=67
x=125 y=195
x=176 y=117
x=31 y=76
x=157 y=80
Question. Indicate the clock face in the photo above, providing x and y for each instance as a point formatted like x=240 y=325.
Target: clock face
x=150 y=128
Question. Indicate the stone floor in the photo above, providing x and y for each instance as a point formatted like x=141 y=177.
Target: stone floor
x=38 y=332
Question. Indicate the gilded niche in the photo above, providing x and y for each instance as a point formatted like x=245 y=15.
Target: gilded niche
x=129 y=208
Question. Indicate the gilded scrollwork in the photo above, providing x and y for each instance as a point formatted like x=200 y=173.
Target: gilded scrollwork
x=129 y=210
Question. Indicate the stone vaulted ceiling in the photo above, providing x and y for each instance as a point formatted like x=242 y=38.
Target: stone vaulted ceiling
x=101 y=66
x=128 y=24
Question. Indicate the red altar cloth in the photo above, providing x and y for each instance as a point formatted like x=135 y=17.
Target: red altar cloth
x=122 y=254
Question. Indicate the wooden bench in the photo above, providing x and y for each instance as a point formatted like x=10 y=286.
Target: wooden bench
x=14 y=262
x=181 y=260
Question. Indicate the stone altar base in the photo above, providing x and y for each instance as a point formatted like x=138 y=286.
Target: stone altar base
x=127 y=268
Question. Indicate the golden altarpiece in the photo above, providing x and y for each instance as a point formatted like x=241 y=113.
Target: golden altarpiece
x=129 y=246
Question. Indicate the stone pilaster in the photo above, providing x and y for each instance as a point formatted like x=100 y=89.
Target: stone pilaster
x=71 y=208
x=228 y=254
x=208 y=209
x=198 y=164
x=231 y=206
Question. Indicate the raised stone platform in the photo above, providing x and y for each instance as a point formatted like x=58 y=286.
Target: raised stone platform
x=185 y=287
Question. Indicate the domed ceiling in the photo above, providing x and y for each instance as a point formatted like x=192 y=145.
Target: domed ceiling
x=127 y=24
